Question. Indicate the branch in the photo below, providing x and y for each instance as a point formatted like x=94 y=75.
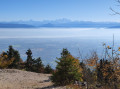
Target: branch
x=115 y=12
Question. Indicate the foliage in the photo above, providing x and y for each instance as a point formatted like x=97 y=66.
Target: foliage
x=29 y=61
x=105 y=72
x=67 y=70
x=12 y=53
x=48 y=69
x=34 y=65
x=92 y=60
x=10 y=59
x=4 y=62
x=38 y=65
x=93 y=71
x=88 y=74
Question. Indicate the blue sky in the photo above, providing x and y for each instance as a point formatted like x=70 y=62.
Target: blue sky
x=82 y=10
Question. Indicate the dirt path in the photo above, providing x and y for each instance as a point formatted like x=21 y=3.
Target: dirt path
x=17 y=79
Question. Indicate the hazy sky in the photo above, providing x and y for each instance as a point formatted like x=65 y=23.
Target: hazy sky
x=83 y=10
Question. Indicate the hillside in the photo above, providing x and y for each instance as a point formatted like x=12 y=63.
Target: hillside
x=18 y=79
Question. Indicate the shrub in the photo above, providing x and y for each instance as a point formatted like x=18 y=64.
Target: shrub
x=4 y=62
x=105 y=72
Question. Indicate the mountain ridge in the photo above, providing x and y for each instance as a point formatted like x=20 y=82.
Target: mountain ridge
x=62 y=23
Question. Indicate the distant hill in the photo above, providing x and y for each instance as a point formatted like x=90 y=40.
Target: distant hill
x=62 y=23
x=11 y=25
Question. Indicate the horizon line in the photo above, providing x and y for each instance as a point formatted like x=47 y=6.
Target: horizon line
x=59 y=20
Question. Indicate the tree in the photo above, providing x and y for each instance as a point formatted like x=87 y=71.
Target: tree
x=105 y=72
x=89 y=74
x=48 y=69
x=29 y=61
x=12 y=53
x=108 y=69
x=17 y=61
x=67 y=70
x=38 y=65
x=4 y=62
x=34 y=65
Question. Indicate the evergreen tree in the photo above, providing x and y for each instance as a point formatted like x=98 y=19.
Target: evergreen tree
x=16 y=61
x=48 y=69
x=65 y=53
x=29 y=61
x=12 y=53
x=38 y=65
x=67 y=69
x=34 y=65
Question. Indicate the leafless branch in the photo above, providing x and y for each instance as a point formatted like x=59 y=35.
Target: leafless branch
x=115 y=12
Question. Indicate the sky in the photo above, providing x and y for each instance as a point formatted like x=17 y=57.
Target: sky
x=38 y=10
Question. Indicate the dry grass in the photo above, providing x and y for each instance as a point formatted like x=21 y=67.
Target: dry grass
x=18 y=79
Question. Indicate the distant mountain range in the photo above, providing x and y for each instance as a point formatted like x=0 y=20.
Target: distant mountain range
x=15 y=25
x=62 y=23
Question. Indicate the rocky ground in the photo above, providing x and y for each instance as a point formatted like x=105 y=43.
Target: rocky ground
x=18 y=79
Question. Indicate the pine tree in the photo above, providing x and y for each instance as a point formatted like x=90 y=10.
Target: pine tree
x=17 y=60
x=48 y=69
x=12 y=53
x=67 y=69
x=38 y=65
x=29 y=61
